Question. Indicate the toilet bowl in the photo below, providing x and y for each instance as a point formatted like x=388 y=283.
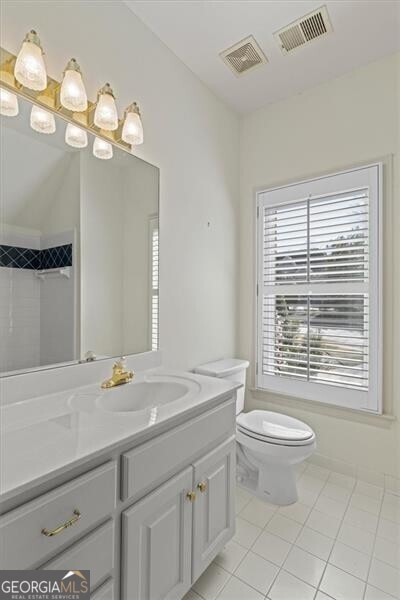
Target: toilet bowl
x=269 y=444
x=273 y=444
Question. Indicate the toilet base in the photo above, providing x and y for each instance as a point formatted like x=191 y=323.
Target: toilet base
x=275 y=488
x=277 y=484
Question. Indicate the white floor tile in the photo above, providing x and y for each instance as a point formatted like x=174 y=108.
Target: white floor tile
x=305 y=566
x=371 y=505
x=237 y=590
x=343 y=480
x=272 y=548
x=361 y=518
x=191 y=595
x=310 y=484
x=211 y=582
x=314 y=542
x=322 y=596
x=257 y=572
x=387 y=552
x=384 y=577
x=287 y=587
x=307 y=497
x=330 y=507
x=350 y=560
x=297 y=512
x=258 y=512
x=318 y=472
x=336 y=492
x=284 y=528
x=372 y=593
x=389 y=530
x=242 y=498
x=341 y=585
x=231 y=556
x=391 y=508
x=356 y=538
x=246 y=533
x=368 y=489
x=323 y=523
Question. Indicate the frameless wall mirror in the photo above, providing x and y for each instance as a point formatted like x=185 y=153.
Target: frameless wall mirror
x=78 y=250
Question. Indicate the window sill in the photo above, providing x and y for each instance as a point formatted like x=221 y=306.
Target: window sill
x=322 y=407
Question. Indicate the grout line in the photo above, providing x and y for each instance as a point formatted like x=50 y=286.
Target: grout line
x=373 y=545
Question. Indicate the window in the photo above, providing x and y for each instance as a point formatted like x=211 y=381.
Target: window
x=318 y=292
x=154 y=247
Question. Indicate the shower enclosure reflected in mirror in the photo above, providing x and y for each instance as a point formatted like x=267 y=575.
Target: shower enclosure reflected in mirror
x=78 y=250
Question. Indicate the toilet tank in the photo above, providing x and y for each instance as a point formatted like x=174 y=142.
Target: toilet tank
x=233 y=369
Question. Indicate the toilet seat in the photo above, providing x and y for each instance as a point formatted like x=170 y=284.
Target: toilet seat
x=274 y=428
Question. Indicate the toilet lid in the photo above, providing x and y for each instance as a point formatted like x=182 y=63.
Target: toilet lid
x=275 y=426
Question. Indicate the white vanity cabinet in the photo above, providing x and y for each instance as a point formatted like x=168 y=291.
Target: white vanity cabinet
x=146 y=519
x=173 y=534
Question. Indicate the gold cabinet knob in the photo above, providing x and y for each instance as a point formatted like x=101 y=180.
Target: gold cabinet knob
x=202 y=486
x=191 y=496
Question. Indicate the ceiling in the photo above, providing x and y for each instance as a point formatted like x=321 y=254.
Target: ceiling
x=197 y=31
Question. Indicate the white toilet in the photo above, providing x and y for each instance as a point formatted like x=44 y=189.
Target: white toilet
x=270 y=444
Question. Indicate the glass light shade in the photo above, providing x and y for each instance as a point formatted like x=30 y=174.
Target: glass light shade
x=106 y=115
x=132 y=131
x=73 y=94
x=42 y=121
x=30 y=69
x=75 y=136
x=102 y=149
x=8 y=103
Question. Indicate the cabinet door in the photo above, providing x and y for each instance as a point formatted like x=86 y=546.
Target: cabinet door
x=214 y=521
x=156 y=543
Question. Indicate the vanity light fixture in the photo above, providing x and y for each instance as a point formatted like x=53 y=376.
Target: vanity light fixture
x=30 y=70
x=73 y=94
x=24 y=76
x=102 y=149
x=106 y=115
x=132 y=130
x=42 y=120
x=8 y=103
x=75 y=136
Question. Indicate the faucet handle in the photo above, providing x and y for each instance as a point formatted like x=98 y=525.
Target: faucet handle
x=120 y=363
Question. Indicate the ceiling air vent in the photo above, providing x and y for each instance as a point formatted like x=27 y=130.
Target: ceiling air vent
x=304 y=30
x=244 y=56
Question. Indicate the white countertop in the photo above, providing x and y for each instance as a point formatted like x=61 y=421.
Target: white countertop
x=42 y=436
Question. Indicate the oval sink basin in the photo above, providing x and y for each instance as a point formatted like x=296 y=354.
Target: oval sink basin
x=146 y=394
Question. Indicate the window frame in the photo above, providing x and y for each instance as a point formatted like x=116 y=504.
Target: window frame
x=365 y=176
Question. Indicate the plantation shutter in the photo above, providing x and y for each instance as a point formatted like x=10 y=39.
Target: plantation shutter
x=317 y=290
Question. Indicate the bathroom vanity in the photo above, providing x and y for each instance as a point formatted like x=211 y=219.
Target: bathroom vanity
x=143 y=496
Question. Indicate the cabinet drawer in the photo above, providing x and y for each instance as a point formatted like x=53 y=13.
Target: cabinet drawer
x=24 y=546
x=148 y=465
x=105 y=592
x=95 y=552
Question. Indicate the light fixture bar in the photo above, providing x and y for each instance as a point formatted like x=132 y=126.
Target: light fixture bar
x=84 y=119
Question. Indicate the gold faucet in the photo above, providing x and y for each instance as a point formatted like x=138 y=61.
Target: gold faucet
x=119 y=375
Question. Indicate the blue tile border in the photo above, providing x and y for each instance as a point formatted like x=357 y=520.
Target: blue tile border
x=30 y=258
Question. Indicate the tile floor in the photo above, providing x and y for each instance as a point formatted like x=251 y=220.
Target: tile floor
x=341 y=540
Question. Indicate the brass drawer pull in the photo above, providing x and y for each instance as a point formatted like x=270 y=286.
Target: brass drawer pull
x=191 y=496
x=60 y=528
x=202 y=486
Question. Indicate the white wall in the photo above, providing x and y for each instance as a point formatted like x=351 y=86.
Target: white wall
x=189 y=134
x=348 y=121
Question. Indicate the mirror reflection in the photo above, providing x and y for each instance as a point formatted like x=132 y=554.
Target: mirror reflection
x=78 y=250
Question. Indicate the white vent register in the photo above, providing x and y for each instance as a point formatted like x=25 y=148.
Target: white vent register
x=244 y=56
x=306 y=29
